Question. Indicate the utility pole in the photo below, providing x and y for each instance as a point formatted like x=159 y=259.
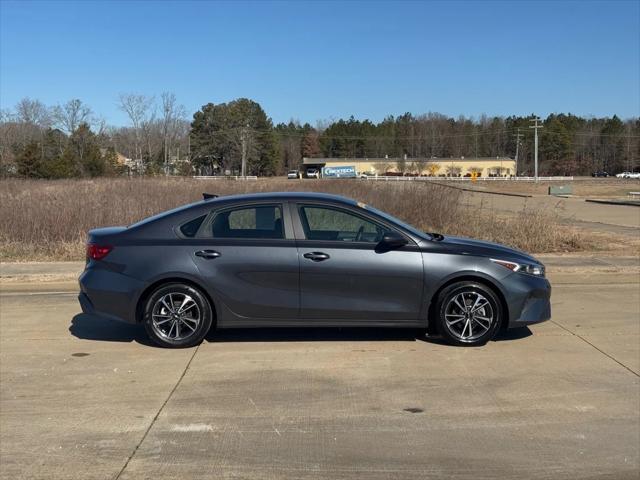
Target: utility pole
x=243 y=136
x=518 y=135
x=476 y=141
x=535 y=126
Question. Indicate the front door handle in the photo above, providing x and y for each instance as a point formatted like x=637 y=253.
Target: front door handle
x=208 y=254
x=316 y=256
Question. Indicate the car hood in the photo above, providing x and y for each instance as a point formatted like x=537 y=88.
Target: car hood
x=469 y=246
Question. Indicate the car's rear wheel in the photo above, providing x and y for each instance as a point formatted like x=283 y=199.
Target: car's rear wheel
x=469 y=313
x=177 y=315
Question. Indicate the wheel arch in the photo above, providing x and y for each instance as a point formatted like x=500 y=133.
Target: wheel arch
x=471 y=277
x=173 y=279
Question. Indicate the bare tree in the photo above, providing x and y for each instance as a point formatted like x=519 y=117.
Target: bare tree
x=172 y=120
x=100 y=125
x=33 y=112
x=137 y=108
x=69 y=116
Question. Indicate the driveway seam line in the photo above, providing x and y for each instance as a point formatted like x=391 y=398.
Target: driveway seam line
x=601 y=351
x=144 y=436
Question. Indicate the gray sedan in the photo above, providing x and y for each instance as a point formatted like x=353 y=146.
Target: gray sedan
x=304 y=259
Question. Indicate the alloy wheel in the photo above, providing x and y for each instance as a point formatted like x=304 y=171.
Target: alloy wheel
x=175 y=316
x=469 y=315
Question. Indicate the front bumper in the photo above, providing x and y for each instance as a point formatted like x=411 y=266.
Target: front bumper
x=528 y=299
x=109 y=294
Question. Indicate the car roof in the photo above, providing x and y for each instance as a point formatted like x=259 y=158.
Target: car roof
x=203 y=206
x=279 y=196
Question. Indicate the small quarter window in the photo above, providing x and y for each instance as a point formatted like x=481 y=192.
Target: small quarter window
x=190 y=228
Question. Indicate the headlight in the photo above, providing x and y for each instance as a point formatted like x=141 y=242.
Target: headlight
x=529 y=268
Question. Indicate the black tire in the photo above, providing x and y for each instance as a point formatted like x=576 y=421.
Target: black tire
x=451 y=318
x=158 y=318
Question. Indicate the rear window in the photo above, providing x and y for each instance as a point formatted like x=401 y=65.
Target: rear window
x=162 y=215
x=190 y=228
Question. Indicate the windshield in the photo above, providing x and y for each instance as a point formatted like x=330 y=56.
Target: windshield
x=397 y=221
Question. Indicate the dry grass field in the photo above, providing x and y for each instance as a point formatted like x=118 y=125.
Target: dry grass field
x=49 y=220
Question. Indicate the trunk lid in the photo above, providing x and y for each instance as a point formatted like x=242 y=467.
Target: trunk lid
x=99 y=235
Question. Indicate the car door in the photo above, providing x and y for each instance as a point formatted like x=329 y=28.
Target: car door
x=247 y=256
x=344 y=279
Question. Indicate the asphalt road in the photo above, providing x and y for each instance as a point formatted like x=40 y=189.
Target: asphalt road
x=83 y=398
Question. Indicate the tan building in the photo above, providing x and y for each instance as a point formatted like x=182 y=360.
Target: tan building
x=426 y=167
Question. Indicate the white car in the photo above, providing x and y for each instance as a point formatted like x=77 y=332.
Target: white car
x=293 y=174
x=313 y=173
x=628 y=175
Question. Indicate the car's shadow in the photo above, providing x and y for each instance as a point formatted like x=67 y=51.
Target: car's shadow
x=513 y=334
x=90 y=327
x=312 y=334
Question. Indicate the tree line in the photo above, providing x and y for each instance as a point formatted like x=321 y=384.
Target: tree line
x=70 y=140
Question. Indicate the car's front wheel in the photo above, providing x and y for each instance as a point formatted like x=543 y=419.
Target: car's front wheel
x=177 y=315
x=469 y=313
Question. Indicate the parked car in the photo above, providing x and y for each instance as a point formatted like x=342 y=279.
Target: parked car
x=313 y=173
x=365 y=175
x=293 y=174
x=628 y=175
x=600 y=173
x=304 y=259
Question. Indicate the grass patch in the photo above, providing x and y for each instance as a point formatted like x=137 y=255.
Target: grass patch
x=49 y=220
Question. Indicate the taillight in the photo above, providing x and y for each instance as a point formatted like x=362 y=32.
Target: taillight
x=98 y=252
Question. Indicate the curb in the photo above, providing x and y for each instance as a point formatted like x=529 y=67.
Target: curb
x=506 y=194
x=626 y=203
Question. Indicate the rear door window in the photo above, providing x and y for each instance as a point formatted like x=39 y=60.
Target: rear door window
x=259 y=221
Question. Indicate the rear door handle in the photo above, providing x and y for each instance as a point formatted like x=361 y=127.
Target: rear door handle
x=316 y=256
x=208 y=254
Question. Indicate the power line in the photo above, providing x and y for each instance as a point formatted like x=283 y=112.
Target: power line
x=426 y=137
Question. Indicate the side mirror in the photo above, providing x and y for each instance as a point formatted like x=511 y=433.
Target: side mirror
x=391 y=241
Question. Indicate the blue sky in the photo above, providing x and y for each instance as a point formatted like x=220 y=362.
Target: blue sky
x=315 y=61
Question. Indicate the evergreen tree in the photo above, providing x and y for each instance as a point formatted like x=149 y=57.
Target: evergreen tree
x=83 y=152
x=221 y=133
x=29 y=161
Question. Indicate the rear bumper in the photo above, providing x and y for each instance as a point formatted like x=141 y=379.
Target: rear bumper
x=85 y=304
x=528 y=299
x=109 y=294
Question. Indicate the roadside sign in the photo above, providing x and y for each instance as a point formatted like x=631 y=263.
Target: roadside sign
x=339 y=172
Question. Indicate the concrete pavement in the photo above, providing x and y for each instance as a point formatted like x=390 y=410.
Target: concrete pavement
x=85 y=398
x=617 y=219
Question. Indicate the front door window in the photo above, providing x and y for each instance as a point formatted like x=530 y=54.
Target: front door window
x=333 y=224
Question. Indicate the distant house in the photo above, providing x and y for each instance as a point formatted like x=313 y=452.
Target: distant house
x=132 y=165
x=438 y=167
